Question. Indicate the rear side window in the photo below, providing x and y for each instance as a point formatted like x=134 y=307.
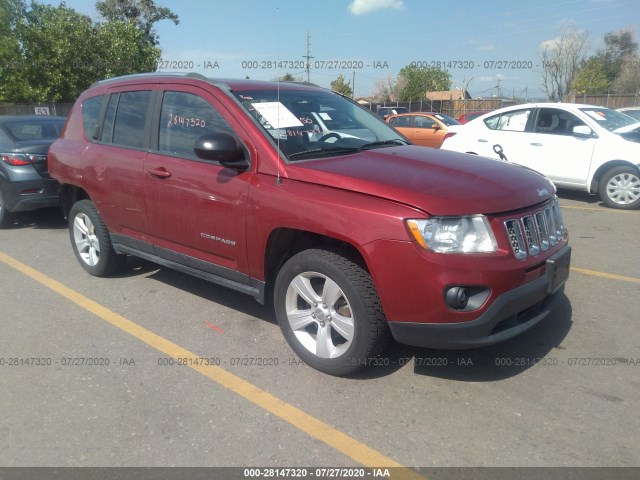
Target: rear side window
x=401 y=121
x=184 y=118
x=91 y=108
x=515 y=121
x=131 y=114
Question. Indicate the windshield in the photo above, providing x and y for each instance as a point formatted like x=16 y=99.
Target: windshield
x=316 y=123
x=609 y=119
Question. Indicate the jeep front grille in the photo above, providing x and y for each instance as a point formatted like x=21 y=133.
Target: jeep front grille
x=535 y=232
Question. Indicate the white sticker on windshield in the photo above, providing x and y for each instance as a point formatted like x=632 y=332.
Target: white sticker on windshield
x=325 y=116
x=599 y=116
x=277 y=114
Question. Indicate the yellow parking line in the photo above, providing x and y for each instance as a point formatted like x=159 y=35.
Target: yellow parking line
x=610 y=276
x=596 y=209
x=315 y=428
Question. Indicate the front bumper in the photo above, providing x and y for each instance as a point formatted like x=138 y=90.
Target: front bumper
x=510 y=314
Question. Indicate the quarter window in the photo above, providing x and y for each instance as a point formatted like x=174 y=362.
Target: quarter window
x=184 y=118
x=91 y=116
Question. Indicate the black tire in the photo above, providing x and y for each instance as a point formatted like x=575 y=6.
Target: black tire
x=91 y=242
x=620 y=188
x=351 y=301
x=6 y=217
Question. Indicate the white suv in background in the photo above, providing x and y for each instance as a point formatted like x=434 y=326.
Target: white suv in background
x=581 y=147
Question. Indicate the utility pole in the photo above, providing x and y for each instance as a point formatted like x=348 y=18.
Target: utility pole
x=308 y=57
x=353 y=85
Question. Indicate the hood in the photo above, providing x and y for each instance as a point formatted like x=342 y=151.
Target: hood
x=435 y=181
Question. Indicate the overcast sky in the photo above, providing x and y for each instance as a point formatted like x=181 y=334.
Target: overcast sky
x=368 y=40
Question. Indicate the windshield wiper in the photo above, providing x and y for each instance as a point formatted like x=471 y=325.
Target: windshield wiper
x=382 y=143
x=321 y=150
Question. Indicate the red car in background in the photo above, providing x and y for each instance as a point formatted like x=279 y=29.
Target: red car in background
x=467 y=117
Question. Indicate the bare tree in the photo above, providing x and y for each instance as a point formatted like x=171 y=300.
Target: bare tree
x=561 y=58
x=385 y=90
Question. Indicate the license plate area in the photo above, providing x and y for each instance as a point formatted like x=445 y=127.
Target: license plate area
x=558 y=269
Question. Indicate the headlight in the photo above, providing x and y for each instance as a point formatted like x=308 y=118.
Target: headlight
x=454 y=234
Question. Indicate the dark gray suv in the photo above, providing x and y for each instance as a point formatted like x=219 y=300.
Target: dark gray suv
x=25 y=183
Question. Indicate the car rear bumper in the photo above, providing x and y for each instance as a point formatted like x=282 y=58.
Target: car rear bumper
x=25 y=195
x=510 y=314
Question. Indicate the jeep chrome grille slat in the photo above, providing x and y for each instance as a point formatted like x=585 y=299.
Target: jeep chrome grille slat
x=537 y=232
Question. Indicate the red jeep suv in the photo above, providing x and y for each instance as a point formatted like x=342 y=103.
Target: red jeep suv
x=356 y=235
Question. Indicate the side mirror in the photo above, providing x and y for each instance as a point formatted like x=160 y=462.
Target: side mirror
x=222 y=148
x=581 y=131
x=435 y=126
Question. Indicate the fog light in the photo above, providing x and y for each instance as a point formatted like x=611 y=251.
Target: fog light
x=457 y=298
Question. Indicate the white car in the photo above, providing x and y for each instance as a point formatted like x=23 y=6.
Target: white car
x=582 y=147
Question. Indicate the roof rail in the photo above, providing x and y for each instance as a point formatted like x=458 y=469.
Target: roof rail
x=150 y=74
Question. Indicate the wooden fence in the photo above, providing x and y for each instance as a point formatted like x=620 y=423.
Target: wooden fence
x=606 y=100
x=453 y=108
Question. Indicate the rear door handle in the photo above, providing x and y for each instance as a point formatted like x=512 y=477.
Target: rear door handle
x=482 y=140
x=159 y=172
x=536 y=144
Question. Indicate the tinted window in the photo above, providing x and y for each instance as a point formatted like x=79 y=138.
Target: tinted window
x=514 y=121
x=130 y=119
x=184 y=118
x=109 y=118
x=91 y=116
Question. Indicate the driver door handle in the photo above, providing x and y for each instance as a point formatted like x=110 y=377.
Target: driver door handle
x=159 y=172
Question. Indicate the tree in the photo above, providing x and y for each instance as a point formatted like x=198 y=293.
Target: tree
x=591 y=78
x=144 y=12
x=619 y=46
x=339 y=85
x=11 y=12
x=561 y=59
x=628 y=79
x=413 y=82
x=385 y=90
x=51 y=54
x=125 y=49
x=57 y=47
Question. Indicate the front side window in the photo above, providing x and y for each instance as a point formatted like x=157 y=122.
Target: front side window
x=424 y=122
x=513 y=121
x=131 y=115
x=185 y=118
x=556 y=122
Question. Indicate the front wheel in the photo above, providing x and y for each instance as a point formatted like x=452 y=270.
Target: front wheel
x=91 y=242
x=329 y=312
x=620 y=188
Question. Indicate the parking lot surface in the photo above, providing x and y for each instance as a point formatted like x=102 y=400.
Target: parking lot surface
x=156 y=368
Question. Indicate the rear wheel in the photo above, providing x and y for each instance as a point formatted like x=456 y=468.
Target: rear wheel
x=91 y=242
x=620 y=188
x=329 y=312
